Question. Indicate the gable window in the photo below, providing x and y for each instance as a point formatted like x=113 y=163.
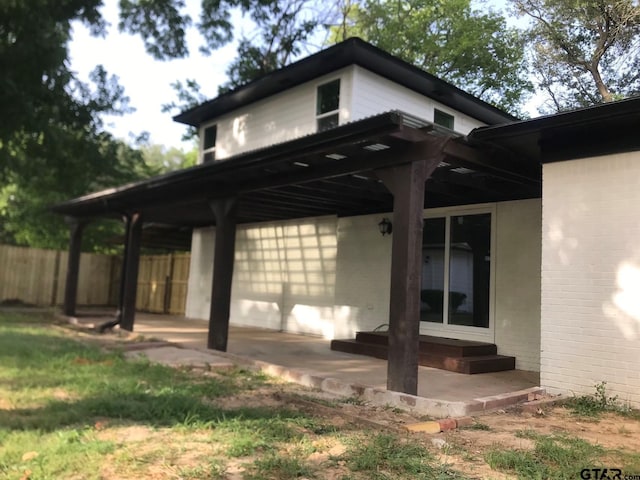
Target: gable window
x=209 y=144
x=443 y=119
x=328 y=105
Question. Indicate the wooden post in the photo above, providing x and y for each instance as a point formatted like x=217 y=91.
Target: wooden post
x=225 y=244
x=73 y=265
x=129 y=286
x=56 y=280
x=407 y=183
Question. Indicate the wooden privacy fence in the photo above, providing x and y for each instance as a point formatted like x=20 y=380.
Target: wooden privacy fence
x=37 y=276
x=162 y=283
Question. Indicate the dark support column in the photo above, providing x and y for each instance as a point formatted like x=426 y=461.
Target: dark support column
x=225 y=245
x=73 y=266
x=131 y=261
x=122 y=286
x=407 y=183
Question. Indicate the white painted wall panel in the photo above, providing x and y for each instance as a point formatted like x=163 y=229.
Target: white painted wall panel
x=200 y=273
x=330 y=276
x=362 y=276
x=517 y=287
x=309 y=249
x=373 y=94
x=591 y=276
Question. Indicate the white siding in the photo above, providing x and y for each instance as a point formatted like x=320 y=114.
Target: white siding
x=591 y=276
x=373 y=94
x=282 y=117
x=291 y=114
x=517 y=287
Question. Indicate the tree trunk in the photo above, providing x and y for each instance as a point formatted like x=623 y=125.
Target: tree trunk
x=602 y=88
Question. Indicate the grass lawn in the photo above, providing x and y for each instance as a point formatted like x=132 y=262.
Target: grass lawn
x=74 y=408
x=70 y=409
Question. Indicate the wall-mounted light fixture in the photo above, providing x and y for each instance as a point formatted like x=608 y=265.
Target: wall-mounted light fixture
x=385 y=226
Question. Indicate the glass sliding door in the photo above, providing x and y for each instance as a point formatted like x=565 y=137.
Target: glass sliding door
x=456 y=274
x=433 y=266
x=469 y=270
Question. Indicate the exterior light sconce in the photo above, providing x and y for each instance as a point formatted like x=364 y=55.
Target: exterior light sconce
x=385 y=227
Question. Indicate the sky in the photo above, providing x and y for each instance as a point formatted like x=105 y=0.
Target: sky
x=147 y=82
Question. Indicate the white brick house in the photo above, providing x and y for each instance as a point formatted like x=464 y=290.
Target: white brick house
x=529 y=239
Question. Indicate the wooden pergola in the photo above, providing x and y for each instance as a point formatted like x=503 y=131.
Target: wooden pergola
x=389 y=162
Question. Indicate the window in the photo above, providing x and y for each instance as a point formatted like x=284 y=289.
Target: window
x=209 y=144
x=443 y=119
x=456 y=270
x=328 y=105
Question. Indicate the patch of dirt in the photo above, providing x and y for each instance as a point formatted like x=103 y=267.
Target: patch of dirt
x=125 y=434
x=464 y=448
x=609 y=430
x=257 y=398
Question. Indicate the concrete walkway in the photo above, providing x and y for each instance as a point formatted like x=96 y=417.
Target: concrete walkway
x=309 y=360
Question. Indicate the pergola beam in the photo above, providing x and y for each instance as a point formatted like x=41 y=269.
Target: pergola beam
x=467 y=156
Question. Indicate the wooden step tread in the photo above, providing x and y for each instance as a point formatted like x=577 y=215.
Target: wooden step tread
x=430 y=344
x=468 y=364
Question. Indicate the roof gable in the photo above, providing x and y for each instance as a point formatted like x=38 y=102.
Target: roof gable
x=353 y=51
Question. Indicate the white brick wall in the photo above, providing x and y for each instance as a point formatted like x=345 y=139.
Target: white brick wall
x=330 y=276
x=517 y=287
x=591 y=276
x=283 y=279
x=363 y=275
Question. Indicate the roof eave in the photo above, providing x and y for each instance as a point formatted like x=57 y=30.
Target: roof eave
x=353 y=51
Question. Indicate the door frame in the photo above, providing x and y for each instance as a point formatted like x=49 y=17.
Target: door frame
x=462 y=332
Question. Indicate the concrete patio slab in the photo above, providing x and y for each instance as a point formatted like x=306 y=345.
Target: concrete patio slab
x=181 y=357
x=309 y=361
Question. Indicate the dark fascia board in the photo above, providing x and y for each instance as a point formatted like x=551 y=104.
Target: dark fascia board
x=598 y=130
x=102 y=202
x=353 y=51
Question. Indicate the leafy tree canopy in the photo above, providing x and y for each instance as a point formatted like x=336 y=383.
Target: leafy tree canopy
x=584 y=52
x=474 y=50
x=52 y=143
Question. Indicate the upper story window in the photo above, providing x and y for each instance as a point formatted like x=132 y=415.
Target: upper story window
x=328 y=105
x=443 y=119
x=209 y=144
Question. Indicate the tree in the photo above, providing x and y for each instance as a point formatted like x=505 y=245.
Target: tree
x=584 y=52
x=161 y=159
x=475 y=51
x=52 y=145
x=281 y=30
